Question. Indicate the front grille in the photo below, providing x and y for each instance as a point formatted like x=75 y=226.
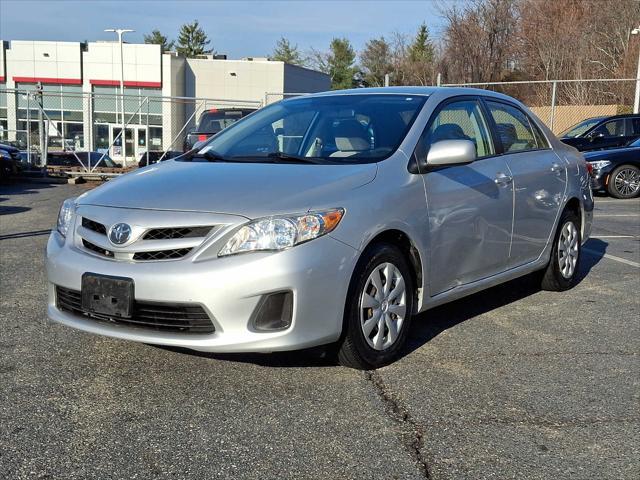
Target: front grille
x=94 y=226
x=158 y=316
x=179 y=232
x=161 y=255
x=95 y=248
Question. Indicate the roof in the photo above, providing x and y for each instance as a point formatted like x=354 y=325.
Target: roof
x=415 y=90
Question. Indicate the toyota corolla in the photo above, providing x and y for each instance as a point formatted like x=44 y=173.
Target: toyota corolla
x=325 y=219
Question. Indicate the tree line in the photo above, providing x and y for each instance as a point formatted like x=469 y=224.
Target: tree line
x=481 y=41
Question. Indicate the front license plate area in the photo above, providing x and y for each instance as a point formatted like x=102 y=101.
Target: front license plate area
x=107 y=295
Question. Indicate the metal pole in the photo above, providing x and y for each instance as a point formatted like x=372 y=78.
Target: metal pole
x=124 y=136
x=29 y=129
x=42 y=137
x=553 y=104
x=386 y=79
x=439 y=79
x=636 y=102
x=147 y=134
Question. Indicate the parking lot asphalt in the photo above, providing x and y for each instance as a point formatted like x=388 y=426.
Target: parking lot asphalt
x=512 y=382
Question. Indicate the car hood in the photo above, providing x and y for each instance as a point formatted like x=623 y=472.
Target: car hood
x=249 y=189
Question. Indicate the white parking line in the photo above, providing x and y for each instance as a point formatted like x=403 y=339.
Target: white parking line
x=603 y=215
x=612 y=257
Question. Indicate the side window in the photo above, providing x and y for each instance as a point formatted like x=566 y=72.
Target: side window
x=635 y=126
x=513 y=127
x=614 y=128
x=461 y=120
x=540 y=138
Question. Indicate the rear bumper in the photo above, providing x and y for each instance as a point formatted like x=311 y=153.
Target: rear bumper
x=229 y=289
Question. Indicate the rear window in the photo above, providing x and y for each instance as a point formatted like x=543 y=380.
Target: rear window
x=213 y=122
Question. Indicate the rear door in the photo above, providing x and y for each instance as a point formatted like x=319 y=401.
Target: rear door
x=539 y=179
x=470 y=207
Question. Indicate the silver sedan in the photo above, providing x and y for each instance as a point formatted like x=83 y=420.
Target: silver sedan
x=326 y=219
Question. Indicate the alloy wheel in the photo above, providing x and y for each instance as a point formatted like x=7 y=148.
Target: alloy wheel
x=627 y=182
x=568 y=250
x=383 y=306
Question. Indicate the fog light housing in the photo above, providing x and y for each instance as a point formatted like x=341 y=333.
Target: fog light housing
x=274 y=312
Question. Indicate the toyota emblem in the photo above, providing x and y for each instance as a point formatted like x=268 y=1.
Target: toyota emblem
x=119 y=233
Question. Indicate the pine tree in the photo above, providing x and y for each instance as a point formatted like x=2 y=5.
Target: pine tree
x=192 y=41
x=341 y=64
x=285 y=52
x=421 y=50
x=157 y=38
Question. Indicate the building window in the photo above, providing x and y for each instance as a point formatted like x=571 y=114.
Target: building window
x=63 y=107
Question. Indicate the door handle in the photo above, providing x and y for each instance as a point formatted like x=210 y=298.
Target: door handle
x=503 y=179
x=556 y=168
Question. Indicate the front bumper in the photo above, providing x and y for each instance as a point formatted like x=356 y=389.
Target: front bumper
x=229 y=289
x=600 y=177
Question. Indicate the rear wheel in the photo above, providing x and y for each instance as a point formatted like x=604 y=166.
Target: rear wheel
x=562 y=271
x=624 y=182
x=378 y=310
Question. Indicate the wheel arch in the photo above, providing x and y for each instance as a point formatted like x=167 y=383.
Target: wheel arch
x=410 y=251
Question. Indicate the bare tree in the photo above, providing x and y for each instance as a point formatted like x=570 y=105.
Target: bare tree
x=479 y=40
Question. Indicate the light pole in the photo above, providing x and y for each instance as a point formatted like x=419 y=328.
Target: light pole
x=636 y=102
x=120 y=32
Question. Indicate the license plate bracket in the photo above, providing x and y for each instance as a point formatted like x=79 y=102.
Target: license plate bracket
x=107 y=295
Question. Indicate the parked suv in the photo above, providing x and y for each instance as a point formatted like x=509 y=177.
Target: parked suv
x=326 y=219
x=213 y=121
x=603 y=132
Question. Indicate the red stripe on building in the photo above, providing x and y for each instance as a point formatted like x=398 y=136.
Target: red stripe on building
x=58 y=81
x=1 y=79
x=127 y=83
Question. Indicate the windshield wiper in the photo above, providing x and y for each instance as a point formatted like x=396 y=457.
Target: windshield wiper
x=287 y=157
x=210 y=156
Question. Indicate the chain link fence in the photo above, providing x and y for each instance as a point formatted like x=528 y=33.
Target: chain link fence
x=104 y=132
x=109 y=132
x=561 y=104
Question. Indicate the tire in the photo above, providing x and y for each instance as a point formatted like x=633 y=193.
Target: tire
x=562 y=271
x=356 y=348
x=624 y=182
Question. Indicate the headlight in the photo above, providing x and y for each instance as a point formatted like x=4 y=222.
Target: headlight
x=278 y=233
x=599 y=164
x=65 y=216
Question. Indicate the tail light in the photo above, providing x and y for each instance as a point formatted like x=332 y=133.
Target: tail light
x=202 y=138
x=589 y=168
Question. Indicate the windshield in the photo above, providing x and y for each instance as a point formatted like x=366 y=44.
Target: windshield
x=580 y=128
x=327 y=129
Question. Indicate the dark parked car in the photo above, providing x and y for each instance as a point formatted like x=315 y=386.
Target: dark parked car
x=616 y=170
x=70 y=159
x=149 y=158
x=213 y=121
x=9 y=161
x=603 y=132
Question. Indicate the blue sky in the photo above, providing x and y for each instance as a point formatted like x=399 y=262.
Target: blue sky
x=237 y=28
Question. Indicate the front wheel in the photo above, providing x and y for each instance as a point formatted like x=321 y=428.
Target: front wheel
x=562 y=271
x=624 y=182
x=378 y=310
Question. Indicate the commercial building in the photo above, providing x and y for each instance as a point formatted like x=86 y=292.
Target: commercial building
x=81 y=86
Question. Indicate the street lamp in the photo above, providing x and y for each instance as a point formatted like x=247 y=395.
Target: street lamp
x=636 y=102
x=120 y=32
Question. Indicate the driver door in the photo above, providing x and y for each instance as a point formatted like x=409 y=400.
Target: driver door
x=470 y=207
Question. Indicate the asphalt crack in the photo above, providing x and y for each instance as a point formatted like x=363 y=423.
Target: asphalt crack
x=411 y=433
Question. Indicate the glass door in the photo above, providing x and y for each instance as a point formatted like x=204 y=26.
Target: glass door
x=135 y=143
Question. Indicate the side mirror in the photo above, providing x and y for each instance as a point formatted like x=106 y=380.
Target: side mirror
x=451 y=152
